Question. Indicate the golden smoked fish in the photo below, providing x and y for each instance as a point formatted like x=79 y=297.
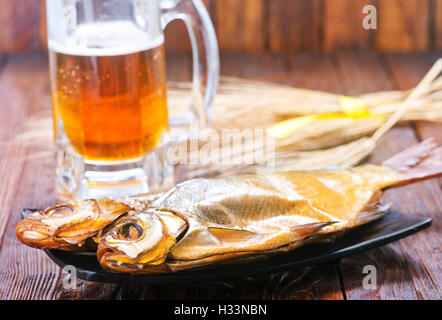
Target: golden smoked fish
x=69 y=226
x=76 y=225
x=206 y=221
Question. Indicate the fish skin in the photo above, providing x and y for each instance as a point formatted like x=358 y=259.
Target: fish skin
x=70 y=226
x=249 y=215
x=204 y=221
x=146 y=251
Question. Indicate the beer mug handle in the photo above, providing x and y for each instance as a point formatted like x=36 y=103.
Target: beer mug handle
x=205 y=57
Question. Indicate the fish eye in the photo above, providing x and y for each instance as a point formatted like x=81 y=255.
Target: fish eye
x=130 y=231
x=59 y=211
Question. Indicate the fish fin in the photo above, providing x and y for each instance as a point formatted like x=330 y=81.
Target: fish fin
x=307 y=230
x=224 y=235
x=242 y=244
x=373 y=210
x=111 y=208
x=367 y=216
x=214 y=241
x=419 y=162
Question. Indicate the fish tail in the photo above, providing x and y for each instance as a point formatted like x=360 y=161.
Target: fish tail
x=419 y=162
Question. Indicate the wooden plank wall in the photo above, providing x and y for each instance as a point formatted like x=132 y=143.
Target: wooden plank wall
x=270 y=25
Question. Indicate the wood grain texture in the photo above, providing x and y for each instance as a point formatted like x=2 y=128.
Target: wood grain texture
x=294 y=25
x=401 y=265
x=28 y=181
x=313 y=282
x=403 y=25
x=21 y=26
x=23 y=83
x=317 y=63
x=241 y=25
x=407 y=269
x=43 y=33
x=317 y=282
x=361 y=73
x=342 y=25
x=437 y=24
x=269 y=25
x=406 y=72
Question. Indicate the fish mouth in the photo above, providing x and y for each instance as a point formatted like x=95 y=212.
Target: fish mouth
x=69 y=226
x=33 y=230
x=141 y=242
x=34 y=234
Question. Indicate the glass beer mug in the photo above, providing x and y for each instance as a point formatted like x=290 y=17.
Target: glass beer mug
x=108 y=81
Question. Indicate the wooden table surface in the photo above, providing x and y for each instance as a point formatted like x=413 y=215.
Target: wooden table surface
x=407 y=269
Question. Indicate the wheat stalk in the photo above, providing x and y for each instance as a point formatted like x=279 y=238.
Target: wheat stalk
x=242 y=104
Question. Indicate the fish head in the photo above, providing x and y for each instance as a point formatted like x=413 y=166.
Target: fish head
x=141 y=242
x=69 y=225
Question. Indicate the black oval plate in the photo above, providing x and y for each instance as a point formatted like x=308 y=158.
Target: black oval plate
x=392 y=227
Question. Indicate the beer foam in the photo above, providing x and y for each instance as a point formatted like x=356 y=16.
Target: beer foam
x=107 y=39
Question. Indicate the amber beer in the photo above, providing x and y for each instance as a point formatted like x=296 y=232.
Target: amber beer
x=110 y=104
